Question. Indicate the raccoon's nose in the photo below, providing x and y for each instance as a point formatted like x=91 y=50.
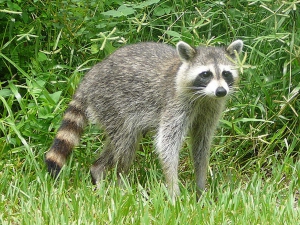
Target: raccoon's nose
x=221 y=92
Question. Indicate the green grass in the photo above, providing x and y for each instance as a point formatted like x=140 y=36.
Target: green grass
x=254 y=173
x=264 y=197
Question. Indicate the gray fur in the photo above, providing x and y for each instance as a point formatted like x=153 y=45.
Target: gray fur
x=235 y=46
x=145 y=87
x=185 y=52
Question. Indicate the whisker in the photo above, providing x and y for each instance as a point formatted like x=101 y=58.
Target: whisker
x=194 y=88
x=234 y=88
x=199 y=95
x=193 y=97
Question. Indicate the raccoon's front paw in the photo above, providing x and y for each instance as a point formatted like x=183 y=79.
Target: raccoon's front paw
x=173 y=192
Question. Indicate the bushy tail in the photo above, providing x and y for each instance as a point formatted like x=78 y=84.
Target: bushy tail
x=67 y=137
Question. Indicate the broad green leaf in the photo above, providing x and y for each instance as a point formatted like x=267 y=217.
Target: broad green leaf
x=125 y=11
x=173 y=33
x=113 y=13
x=5 y=92
x=94 y=48
x=145 y=4
x=42 y=57
x=55 y=96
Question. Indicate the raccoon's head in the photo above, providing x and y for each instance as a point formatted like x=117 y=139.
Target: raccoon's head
x=207 y=71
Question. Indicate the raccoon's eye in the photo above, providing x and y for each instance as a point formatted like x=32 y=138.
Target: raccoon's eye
x=206 y=74
x=226 y=74
x=203 y=79
x=228 y=77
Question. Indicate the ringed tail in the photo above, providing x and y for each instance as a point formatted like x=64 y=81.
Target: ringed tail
x=67 y=137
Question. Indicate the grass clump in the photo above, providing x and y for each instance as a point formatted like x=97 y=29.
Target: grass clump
x=45 y=49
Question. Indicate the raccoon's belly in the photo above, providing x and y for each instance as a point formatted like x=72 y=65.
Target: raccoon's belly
x=111 y=118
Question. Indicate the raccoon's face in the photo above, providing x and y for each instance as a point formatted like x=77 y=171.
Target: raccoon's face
x=207 y=71
x=212 y=80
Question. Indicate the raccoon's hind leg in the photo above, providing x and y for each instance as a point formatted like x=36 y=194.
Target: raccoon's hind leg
x=119 y=150
x=67 y=137
x=103 y=163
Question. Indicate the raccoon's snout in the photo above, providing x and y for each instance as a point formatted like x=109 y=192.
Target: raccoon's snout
x=220 y=92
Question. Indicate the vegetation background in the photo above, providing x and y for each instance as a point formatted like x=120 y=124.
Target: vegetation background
x=47 y=46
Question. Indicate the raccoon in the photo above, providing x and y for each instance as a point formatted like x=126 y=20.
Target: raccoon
x=150 y=86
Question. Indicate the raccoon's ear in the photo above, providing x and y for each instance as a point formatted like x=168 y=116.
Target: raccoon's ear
x=185 y=51
x=235 y=46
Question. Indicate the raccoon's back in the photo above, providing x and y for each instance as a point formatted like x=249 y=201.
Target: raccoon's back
x=132 y=85
x=136 y=67
x=136 y=78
